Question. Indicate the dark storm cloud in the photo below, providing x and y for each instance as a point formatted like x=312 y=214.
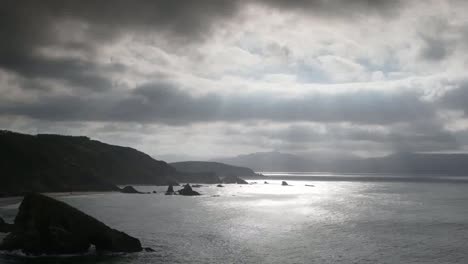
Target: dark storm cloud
x=26 y=26
x=338 y=8
x=163 y=102
x=73 y=71
x=36 y=20
x=457 y=98
x=436 y=49
x=438 y=41
x=408 y=138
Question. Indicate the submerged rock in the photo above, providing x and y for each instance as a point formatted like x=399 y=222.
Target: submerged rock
x=197 y=185
x=46 y=226
x=234 y=179
x=187 y=190
x=154 y=191
x=5 y=227
x=129 y=189
x=148 y=249
x=310 y=185
x=265 y=182
x=284 y=183
x=219 y=185
x=170 y=190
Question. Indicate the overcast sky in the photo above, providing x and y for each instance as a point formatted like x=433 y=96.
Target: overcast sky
x=212 y=78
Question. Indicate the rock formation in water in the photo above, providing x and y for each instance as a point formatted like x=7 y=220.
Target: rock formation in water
x=46 y=226
x=265 y=182
x=234 y=179
x=130 y=189
x=219 y=185
x=170 y=190
x=187 y=191
x=284 y=183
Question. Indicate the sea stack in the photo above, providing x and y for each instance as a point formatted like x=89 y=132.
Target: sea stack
x=46 y=226
x=170 y=190
x=187 y=190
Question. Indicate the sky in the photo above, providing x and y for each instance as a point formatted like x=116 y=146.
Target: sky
x=203 y=79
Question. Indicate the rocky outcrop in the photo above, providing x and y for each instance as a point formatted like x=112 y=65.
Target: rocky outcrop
x=5 y=227
x=130 y=189
x=234 y=179
x=170 y=190
x=284 y=183
x=46 y=226
x=187 y=190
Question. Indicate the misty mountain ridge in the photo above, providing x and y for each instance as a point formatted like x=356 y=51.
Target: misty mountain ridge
x=220 y=169
x=401 y=162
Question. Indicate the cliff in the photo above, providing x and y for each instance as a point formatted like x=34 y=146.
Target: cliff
x=55 y=163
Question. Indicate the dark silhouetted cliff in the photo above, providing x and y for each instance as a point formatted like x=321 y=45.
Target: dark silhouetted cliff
x=68 y=163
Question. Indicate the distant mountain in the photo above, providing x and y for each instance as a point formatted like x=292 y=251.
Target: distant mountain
x=55 y=163
x=220 y=169
x=406 y=163
x=413 y=163
x=270 y=161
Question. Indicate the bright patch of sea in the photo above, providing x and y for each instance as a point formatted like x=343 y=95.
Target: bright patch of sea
x=332 y=222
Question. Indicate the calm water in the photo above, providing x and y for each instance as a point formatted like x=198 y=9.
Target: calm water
x=333 y=222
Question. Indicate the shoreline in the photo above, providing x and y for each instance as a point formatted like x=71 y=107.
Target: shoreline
x=7 y=201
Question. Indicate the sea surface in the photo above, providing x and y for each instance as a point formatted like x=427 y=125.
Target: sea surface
x=335 y=221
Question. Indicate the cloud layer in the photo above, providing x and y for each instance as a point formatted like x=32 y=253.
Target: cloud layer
x=214 y=78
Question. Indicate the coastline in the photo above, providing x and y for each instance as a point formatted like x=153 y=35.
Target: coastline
x=7 y=201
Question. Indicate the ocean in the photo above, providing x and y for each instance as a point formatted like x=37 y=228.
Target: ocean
x=335 y=221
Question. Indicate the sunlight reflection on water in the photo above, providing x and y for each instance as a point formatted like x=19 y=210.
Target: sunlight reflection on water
x=333 y=222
